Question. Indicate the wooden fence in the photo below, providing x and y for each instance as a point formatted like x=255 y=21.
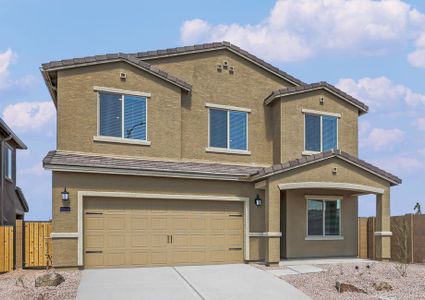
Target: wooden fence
x=6 y=249
x=38 y=247
x=25 y=245
x=407 y=241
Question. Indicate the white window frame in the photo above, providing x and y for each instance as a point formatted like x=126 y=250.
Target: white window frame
x=122 y=139
x=320 y=114
x=324 y=199
x=228 y=109
x=9 y=162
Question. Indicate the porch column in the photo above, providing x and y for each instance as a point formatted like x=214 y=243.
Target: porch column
x=382 y=227
x=272 y=220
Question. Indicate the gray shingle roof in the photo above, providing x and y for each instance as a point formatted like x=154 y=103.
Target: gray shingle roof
x=315 y=86
x=58 y=159
x=22 y=199
x=7 y=131
x=90 y=60
x=216 y=46
x=62 y=158
x=306 y=160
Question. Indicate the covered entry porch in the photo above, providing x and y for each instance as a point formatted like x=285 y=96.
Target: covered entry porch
x=313 y=203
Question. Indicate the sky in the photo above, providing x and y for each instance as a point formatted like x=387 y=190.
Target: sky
x=373 y=50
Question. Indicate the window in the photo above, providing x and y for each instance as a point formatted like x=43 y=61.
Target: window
x=9 y=162
x=323 y=217
x=122 y=116
x=321 y=132
x=228 y=129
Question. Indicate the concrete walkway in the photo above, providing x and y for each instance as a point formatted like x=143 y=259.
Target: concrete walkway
x=239 y=281
x=323 y=261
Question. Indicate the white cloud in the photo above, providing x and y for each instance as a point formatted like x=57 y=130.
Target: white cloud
x=400 y=163
x=298 y=29
x=420 y=123
x=26 y=116
x=380 y=92
x=378 y=138
x=6 y=58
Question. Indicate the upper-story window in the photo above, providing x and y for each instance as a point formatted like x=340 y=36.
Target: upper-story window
x=122 y=116
x=321 y=132
x=9 y=163
x=228 y=129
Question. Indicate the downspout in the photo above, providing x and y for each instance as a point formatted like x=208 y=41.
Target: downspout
x=2 y=177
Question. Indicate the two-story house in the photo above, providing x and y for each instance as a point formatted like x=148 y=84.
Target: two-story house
x=204 y=154
x=13 y=205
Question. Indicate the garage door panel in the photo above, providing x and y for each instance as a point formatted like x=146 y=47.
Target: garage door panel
x=159 y=257
x=140 y=239
x=180 y=223
x=159 y=223
x=114 y=259
x=140 y=258
x=94 y=240
x=94 y=223
x=198 y=224
x=94 y=260
x=139 y=222
x=137 y=232
x=115 y=241
x=159 y=240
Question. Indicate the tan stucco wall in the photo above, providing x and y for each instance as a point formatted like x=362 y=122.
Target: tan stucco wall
x=293 y=122
x=296 y=227
x=177 y=121
x=67 y=221
x=77 y=111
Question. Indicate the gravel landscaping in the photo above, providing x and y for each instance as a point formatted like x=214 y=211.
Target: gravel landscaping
x=20 y=284
x=363 y=276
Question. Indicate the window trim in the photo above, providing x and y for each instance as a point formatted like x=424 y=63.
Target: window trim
x=323 y=198
x=227 y=150
x=122 y=139
x=320 y=114
x=9 y=157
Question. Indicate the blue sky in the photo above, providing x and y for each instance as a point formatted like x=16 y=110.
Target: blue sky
x=374 y=50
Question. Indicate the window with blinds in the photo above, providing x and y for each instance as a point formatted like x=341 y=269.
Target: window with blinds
x=321 y=132
x=122 y=116
x=228 y=129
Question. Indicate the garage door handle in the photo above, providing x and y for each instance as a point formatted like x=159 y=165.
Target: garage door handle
x=171 y=239
x=235 y=248
x=235 y=215
x=93 y=213
x=94 y=251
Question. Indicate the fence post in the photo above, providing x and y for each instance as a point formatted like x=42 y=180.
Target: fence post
x=18 y=244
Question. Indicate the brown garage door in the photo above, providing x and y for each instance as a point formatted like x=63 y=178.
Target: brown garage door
x=139 y=232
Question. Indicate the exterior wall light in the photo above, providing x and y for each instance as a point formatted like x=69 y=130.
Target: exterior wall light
x=258 y=200
x=65 y=195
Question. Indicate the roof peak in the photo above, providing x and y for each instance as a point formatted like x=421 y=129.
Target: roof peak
x=363 y=108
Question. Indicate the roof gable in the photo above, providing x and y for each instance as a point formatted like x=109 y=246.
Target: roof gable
x=8 y=132
x=48 y=68
x=363 y=108
x=309 y=160
x=188 y=50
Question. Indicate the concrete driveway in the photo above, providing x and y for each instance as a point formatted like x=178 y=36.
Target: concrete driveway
x=193 y=282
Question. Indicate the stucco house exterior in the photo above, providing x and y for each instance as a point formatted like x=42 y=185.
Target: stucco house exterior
x=13 y=204
x=204 y=154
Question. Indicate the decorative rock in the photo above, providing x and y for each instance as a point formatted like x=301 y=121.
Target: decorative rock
x=49 y=279
x=343 y=287
x=382 y=286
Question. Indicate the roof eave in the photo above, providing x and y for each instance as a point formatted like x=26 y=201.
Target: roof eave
x=273 y=96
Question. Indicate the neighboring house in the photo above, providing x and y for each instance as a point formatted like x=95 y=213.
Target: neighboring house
x=13 y=205
x=204 y=154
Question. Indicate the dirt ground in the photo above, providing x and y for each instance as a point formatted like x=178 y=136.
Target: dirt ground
x=322 y=285
x=20 y=285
